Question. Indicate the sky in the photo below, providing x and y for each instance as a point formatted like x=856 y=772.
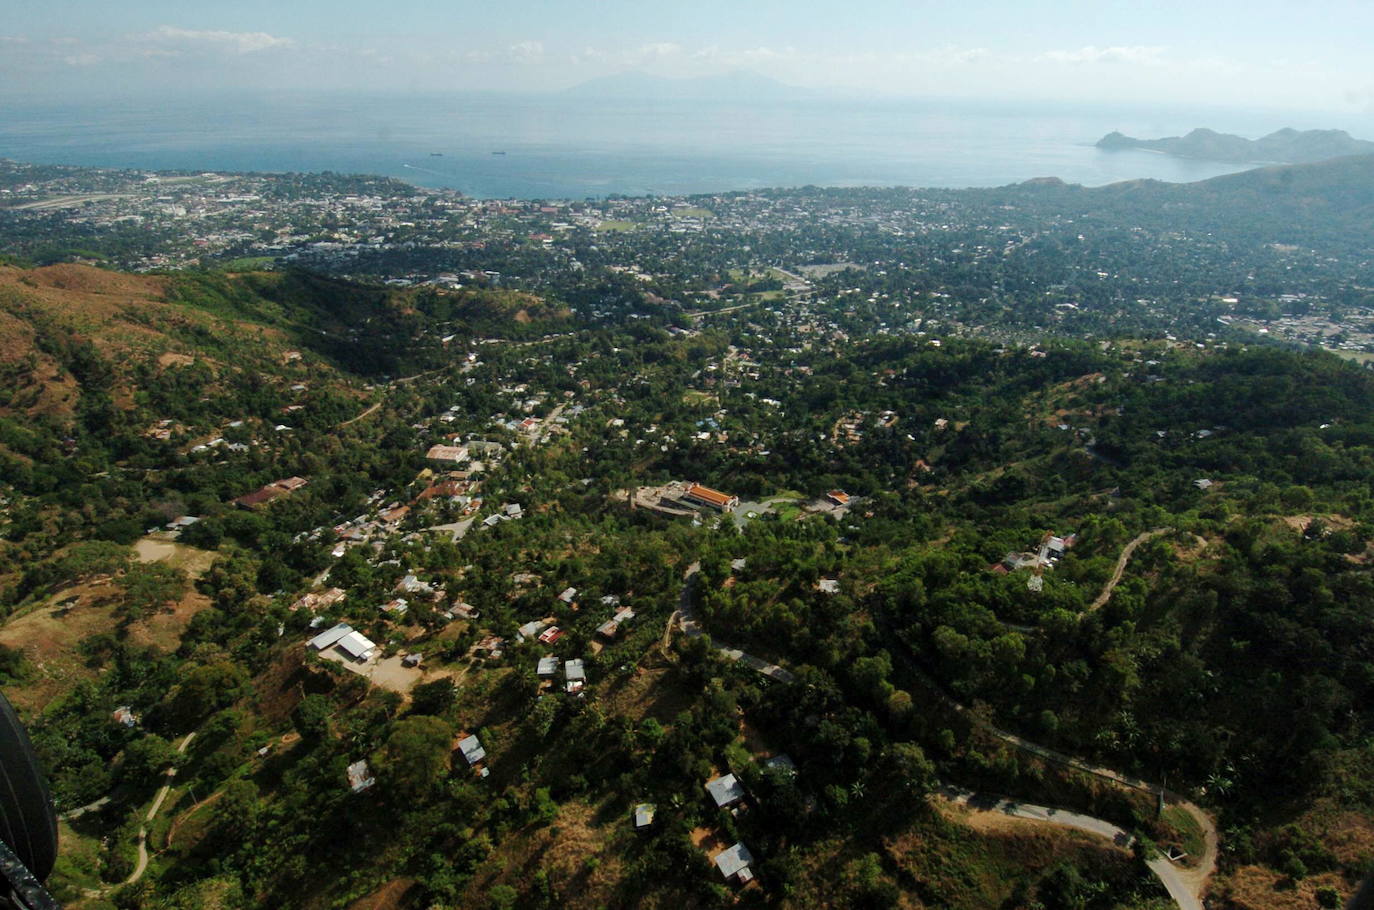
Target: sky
x=1273 y=54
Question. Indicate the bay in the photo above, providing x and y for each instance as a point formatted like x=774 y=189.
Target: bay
x=566 y=146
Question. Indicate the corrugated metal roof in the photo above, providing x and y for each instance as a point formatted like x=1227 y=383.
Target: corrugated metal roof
x=734 y=860
x=725 y=790
x=356 y=645
x=330 y=636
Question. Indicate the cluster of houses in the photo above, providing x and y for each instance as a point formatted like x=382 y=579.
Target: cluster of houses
x=316 y=601
x=1052 y=549
x=360 y=776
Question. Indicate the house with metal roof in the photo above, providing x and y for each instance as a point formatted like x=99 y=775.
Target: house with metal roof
x=472 y=749
x=576 y=674
x=360 y=776
x=726 y=791
x=734 y=863
x=357 y=646
x=329 y=637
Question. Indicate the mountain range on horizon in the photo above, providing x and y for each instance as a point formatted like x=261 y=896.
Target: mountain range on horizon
x=1285 y=146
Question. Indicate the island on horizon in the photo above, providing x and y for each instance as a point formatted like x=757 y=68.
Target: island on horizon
x=1285 y=146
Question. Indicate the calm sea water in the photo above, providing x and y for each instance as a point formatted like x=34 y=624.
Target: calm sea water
x=568 y=147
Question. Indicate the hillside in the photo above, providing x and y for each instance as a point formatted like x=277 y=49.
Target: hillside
x=1288 y=146
x=1326 y=204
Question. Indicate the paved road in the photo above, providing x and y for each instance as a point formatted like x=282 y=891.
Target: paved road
x=686 y=619
x=82 y=810
x=1121 y=561
x=1185 y=886
x=1169 y=875
x=1194 y=879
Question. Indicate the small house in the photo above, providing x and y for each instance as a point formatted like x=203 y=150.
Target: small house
x=567 y=595
x=575 y=672
x=726 y=791
x=734 y=863
x=360 y=776
x=644 y=816
x=472 y=749
x=548 y=667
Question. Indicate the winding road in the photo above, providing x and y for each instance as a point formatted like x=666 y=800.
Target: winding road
x=1175 y=879
x=685 y=619
x=1185 y=885
x=142 y=864
x=1121 y=561
x=152 y=813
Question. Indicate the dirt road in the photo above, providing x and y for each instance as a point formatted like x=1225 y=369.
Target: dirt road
x=1121 y=561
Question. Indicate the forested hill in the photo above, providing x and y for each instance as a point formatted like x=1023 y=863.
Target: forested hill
x=1329 y=203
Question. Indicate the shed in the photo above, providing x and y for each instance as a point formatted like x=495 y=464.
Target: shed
x=644 y=816
x=782 y=762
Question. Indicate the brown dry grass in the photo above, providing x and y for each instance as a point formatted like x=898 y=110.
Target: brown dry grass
x=390 y=896
x=648 y=692
x=49 y=636
x=1259 y=888
x=561 y=850
x=1299 y=523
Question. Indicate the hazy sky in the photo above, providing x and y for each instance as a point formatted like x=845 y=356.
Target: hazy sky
x=1310 y=55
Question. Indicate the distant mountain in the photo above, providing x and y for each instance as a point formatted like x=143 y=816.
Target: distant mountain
x=739 y=85
x=1286 y=146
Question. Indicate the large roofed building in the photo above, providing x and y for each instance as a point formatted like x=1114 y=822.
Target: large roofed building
x=705 y=496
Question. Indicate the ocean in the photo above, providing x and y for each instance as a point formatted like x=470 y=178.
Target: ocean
x=568 y=147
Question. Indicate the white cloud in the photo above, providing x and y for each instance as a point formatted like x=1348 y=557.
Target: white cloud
x=526 y=52
x=1138 y=55
x=237 y=42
